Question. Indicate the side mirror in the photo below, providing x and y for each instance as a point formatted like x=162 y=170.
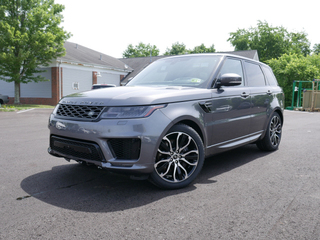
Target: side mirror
x=229 y=79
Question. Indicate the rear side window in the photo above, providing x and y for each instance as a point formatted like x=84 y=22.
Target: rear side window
x=270 y=76
x=255 y=76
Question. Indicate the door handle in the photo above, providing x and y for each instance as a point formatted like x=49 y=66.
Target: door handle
x=244 y=95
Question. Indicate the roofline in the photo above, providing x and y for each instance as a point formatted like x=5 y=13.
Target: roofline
x=225 y=54
x=60 y=61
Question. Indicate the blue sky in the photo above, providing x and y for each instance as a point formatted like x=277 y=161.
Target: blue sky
x=109 y=26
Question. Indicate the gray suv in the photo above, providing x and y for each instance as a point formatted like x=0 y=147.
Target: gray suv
x=170 y=117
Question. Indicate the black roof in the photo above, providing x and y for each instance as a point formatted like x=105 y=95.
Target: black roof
x=252 y=54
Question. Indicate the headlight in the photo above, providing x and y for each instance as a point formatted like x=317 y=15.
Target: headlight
x=130 y=112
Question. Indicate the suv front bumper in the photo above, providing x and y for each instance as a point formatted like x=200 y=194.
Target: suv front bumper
x=126 y=145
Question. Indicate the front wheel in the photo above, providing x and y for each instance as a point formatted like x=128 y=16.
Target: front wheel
x=272 y=138
x=179 y=158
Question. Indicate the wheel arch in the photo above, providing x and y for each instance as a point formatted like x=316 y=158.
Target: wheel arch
x=193 y=125
x=189 y=121
x=159 y=178
x=277 y=110
x=272 y=135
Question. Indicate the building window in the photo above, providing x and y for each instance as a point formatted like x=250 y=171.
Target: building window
x=75 y=86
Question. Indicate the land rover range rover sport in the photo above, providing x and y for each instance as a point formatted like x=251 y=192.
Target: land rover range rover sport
x=170 y=117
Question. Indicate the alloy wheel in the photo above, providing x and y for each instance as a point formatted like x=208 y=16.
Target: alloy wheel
x=177 y=157
x=275 y=131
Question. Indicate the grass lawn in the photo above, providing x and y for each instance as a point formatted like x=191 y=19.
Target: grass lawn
x=19 y=107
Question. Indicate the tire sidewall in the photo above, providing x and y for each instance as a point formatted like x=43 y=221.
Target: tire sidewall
x=265 y=143
x=157 y=180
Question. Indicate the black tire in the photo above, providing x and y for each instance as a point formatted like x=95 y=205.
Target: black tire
x=179 y=158
x=272 y=138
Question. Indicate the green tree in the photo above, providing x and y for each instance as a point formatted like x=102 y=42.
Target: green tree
x=290 y=67
x=316 y=48
x=30 y=37
x=299 y=43
x=240 y=39
x=203 y=49
x=177 y=49
x=315 y=61
x=270 y=42
x=140 y=50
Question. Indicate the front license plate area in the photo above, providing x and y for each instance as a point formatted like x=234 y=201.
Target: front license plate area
x=75 y=149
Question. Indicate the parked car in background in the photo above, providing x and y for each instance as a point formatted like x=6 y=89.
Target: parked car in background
x=4 y=99
x=170 y=117
x=97 y=86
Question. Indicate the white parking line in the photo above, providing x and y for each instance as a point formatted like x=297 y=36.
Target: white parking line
x=22 y=111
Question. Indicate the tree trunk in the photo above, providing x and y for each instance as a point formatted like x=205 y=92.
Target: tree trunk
x=16 y=93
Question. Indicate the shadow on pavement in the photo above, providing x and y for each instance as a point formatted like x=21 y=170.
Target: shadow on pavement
x=88 y=189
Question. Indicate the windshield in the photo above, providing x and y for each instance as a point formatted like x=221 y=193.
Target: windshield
x=188 y=71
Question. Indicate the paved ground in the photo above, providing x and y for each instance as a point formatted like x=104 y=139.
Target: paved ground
x=243 y=194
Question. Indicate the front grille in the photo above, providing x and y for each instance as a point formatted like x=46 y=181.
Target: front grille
x=125 y=148
x=79 y=111
x=75 y=149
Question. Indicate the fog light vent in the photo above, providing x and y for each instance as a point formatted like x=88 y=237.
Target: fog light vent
x=125 y=148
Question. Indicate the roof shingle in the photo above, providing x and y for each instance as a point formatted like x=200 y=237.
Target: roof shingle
x=79 y=54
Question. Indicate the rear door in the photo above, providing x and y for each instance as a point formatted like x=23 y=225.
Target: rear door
x=261 y=96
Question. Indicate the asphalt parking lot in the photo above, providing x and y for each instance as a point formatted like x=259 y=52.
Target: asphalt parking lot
x=242 y=194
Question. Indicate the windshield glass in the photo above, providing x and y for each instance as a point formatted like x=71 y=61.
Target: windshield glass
x=188 y=71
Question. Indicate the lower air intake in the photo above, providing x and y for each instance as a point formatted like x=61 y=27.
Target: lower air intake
x=125 y=148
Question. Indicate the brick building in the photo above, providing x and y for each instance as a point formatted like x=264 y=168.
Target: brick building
x=77 y=71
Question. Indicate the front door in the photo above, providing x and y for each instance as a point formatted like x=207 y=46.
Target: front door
x=230 y=108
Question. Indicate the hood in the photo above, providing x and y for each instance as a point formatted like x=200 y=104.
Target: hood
x=133 y=95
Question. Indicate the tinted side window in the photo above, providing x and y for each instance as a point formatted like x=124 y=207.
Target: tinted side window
x=255 y=76
x=270 y=76
x=232 y=66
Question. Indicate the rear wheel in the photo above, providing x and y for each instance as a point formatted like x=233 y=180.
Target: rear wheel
x=179 y=158
x=272 y=138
